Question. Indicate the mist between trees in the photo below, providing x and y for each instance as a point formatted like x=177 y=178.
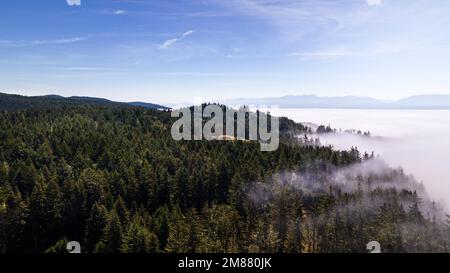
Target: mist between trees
x=342 y=209
x=112 y=178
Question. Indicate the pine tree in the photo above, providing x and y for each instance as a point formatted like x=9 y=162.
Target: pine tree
x=14 y=216
x=95 y=226
x=38 y=215
x=59 y=247
x=293 y=243
x=162 y=226
x=178 y=233
x=139 y=239
x=53 y=207
x=181 y=191
x=195 y=239
x=122 y=211
x=113 y=236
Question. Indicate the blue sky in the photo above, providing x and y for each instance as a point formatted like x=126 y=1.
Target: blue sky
x=184 y=51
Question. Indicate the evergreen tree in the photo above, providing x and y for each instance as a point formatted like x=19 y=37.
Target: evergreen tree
x=95 y=226
x=139 y=239
x=113 y=235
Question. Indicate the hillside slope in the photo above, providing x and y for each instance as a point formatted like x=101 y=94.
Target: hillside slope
x=15 y=102
x=113 y=179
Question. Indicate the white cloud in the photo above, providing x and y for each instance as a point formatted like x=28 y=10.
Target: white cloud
x=58 y=41
x=26 y=43
x=297 y=19
x=87 y=68
x=187 y=33
x=374 y=2
x=376 y=50
x=170 y=42
x=73 y=2
x=118 y=12
x=326 y=54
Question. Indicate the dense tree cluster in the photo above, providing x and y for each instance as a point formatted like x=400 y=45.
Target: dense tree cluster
x=113 y=179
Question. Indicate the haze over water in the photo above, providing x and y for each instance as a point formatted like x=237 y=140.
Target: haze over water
x=416 y=140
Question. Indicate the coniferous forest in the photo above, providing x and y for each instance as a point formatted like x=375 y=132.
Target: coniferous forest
x=111 y=177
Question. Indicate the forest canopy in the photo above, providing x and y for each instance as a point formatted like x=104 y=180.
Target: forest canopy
x=111 y=177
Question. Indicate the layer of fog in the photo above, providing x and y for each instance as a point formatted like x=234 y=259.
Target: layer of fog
x=365 y=177
x=416 y=140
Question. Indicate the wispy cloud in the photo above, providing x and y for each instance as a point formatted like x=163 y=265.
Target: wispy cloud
x=111 y=12
x=73 y=2
x=168 y=43
x=334 y=53
x=327 y=54
x=88 y=68
x=374 y=2
x=187 y=33
x=58 y=41
x=27 y=43
x=205 y=74
x=299 y=18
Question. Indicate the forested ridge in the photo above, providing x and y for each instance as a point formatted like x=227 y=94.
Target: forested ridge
x=113 y=179
x=16 y=102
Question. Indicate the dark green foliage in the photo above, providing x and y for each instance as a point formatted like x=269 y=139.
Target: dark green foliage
x=113 y=179
x=59 y=247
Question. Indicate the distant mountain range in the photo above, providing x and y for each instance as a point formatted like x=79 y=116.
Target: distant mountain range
x=13 y=102
x=348 y=102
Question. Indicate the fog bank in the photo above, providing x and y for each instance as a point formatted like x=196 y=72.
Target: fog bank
x=416 y=140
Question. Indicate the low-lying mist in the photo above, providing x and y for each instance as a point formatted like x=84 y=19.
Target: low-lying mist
x=366 y=177
x=416 y=140
x=340 y=209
